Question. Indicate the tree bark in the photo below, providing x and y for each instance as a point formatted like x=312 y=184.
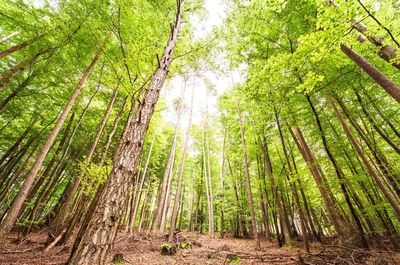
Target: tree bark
x=94 y=242
x=390 y=87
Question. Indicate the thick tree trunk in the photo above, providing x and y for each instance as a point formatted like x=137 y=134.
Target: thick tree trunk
x=94 y=242
x=12 y=213
x=386 y=51
x=391 y=88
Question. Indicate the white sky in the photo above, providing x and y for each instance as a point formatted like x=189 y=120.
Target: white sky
x=217 y=82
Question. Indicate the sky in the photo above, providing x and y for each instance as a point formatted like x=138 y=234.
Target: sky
x=217 y=82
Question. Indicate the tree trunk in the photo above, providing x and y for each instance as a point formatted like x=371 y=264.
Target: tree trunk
x=248 y=184
x=155 y=227
x=340 y=175
x=223 y=186
x=20 y=46
x=136 y=202
x=94 y=242
x=9 y=36
x=391 y=88
x=180 y=178
x=389 y=197
x=60 y=219
x=312 y=163
x=12 y=213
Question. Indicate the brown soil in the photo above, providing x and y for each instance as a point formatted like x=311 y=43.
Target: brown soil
x=146 y=250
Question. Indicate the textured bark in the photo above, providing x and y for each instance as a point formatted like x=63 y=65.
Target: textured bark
x=247 y=175
x=12 y=213
x=180 y=178
x=390 y=87
x=94 y=242
x=389 y=196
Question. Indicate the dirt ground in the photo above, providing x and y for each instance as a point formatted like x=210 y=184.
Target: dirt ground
x=146 y=250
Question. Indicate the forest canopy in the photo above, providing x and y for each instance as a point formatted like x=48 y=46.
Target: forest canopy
x=271 y=120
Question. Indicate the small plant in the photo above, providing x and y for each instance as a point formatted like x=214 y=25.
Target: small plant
x=233 y=258
x=167 y=249
x=118 y=259
x=185 y=245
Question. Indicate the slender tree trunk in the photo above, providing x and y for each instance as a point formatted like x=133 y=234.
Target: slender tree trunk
x=180 y=178
x=20 y=46
x=391 y=88
x=155 y=227
x=248 y=184
x=12 y=213
x=135 y=205
x=312 y=163
x=8 y=77
x=223 y=186
x=112 y=132
x=60 y=219
x=340 y=175
x=9 y=36
x=389 y=196
x=95 y=241
x=375 y=126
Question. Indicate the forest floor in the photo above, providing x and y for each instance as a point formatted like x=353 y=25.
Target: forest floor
x=204 y=250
